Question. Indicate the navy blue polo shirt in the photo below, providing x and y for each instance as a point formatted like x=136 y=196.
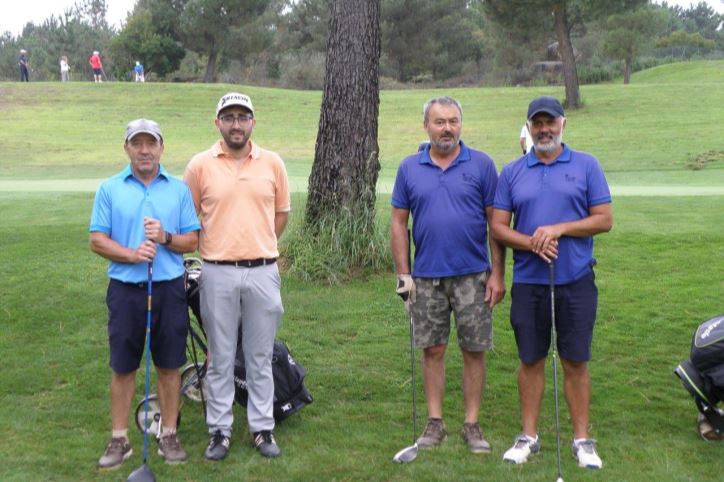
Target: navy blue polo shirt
x=539 y=195
x=120 y=205
x=448 y=211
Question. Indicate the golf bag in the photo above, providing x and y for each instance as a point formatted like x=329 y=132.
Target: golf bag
x=290 y=394
x=703 y=376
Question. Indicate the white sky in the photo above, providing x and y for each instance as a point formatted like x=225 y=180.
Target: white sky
x=14 y=15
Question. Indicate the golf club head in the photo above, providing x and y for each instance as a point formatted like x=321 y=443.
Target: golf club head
x=559 y=479
x=406 y=455
x=142 y=474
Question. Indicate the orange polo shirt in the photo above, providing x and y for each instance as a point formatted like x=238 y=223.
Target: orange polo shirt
x=237 y=202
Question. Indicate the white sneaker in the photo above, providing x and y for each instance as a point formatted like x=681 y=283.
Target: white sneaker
x=585 y=452
x=523 y=447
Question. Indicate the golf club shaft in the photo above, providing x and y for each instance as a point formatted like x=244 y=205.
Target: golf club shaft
x=148 y=362
x=412 y=348
x=554 y=343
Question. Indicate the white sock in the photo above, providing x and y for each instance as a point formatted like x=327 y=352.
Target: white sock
x=168 y=430
x=577 y=441
x=532 y=439
x=120 y=433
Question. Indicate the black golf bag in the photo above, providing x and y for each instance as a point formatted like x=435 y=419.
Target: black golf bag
x=703 y=376
x=290 y=394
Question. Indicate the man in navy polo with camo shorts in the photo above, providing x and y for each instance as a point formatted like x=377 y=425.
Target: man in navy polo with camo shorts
x=559 y=199
x=449 y=190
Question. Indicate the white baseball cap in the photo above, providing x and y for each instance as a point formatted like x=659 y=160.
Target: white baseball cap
x=143 y=126
x=234 y=98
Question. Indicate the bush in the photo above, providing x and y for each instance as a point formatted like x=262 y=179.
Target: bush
x=302 y=71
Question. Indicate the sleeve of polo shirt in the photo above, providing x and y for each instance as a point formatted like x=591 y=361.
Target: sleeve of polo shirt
x=101 y=214
x=189 y=219
x=282 y=197
x=598 y=191
x=191 y=178
x=502 y=193
x=490 y=182
x=400 y=198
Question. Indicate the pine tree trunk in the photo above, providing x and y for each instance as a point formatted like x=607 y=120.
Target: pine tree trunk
x=346 y=157
x=210 y=75
x=627 y=70
x=565 y=50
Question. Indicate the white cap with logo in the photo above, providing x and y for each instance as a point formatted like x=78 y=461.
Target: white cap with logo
x=234 y=98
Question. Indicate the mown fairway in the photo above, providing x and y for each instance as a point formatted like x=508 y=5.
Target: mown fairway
x=659 y=274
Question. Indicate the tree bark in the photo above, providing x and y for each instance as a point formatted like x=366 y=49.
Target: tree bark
x=627 y=70
x=346 y=157
x=565 y=50
x=210 y=75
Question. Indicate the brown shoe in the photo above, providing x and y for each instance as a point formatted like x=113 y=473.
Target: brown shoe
x=474 y=438
x=169 y=447
x=433 y=435
x=117 y=450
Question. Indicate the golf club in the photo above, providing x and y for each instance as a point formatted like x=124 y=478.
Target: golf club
x=408 y=454
x=143 y=473
x=554 y=343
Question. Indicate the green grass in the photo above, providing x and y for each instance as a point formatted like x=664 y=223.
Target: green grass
x=75 y=130
x=659 y=276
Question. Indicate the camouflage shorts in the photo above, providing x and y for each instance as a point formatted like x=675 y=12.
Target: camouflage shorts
x=436 y=298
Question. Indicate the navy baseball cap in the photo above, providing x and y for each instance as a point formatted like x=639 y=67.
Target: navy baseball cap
x=549 y=105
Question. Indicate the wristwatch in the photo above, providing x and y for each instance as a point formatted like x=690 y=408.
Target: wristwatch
x=168 y=240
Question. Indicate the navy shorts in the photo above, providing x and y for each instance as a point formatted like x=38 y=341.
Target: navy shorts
x=127 y=306
x=530 y=316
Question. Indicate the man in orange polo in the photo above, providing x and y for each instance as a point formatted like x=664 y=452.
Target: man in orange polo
x=241 y=193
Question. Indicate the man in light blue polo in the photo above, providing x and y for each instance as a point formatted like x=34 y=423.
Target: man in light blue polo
x=143 y=215
x=559 y=199
x=448 y=188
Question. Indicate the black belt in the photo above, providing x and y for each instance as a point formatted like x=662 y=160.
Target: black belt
x=244 y=263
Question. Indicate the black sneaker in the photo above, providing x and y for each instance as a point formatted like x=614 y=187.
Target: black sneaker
x=265 y=443
x=218 y=446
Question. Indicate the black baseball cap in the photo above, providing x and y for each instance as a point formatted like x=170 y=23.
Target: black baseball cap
x=547 y=104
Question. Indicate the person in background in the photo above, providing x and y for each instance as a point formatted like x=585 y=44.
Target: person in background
x=64 y=69
x=23 y=65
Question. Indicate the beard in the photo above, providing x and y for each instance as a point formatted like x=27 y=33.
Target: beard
x=549 y=143
x=236 y=144
x=445 y=146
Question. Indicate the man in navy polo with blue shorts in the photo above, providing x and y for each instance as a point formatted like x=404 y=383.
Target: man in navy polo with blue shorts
x=559 y=199
x=143 y=215
x=449 y=190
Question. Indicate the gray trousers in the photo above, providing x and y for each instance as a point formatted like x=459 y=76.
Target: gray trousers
x=250 y=296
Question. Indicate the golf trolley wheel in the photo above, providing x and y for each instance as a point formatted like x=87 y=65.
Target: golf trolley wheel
x=154 y=416
x=190 y=385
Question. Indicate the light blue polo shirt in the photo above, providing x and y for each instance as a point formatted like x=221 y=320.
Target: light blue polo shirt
x=448 y=211
x=120 y=205
x=539 y=195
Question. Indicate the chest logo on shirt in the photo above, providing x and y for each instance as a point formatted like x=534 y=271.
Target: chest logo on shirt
x=570 y=178
x=468 y=178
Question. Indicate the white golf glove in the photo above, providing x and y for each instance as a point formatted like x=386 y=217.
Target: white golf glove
x=406 y=289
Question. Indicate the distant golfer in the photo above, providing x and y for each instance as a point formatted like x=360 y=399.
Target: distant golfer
x=558 y=199
x=97 y=66
x=138 y=70
x=449 y=189
x=526 y=141
x=23 y=65
x=64 y=69
x=241 y=193
x=144 y=215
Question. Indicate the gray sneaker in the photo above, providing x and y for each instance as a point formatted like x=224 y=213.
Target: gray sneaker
x=265 y=443
x=433 y=435
x=218 y=446
x=169 y=447
x=117 y=450
x=474 y=438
